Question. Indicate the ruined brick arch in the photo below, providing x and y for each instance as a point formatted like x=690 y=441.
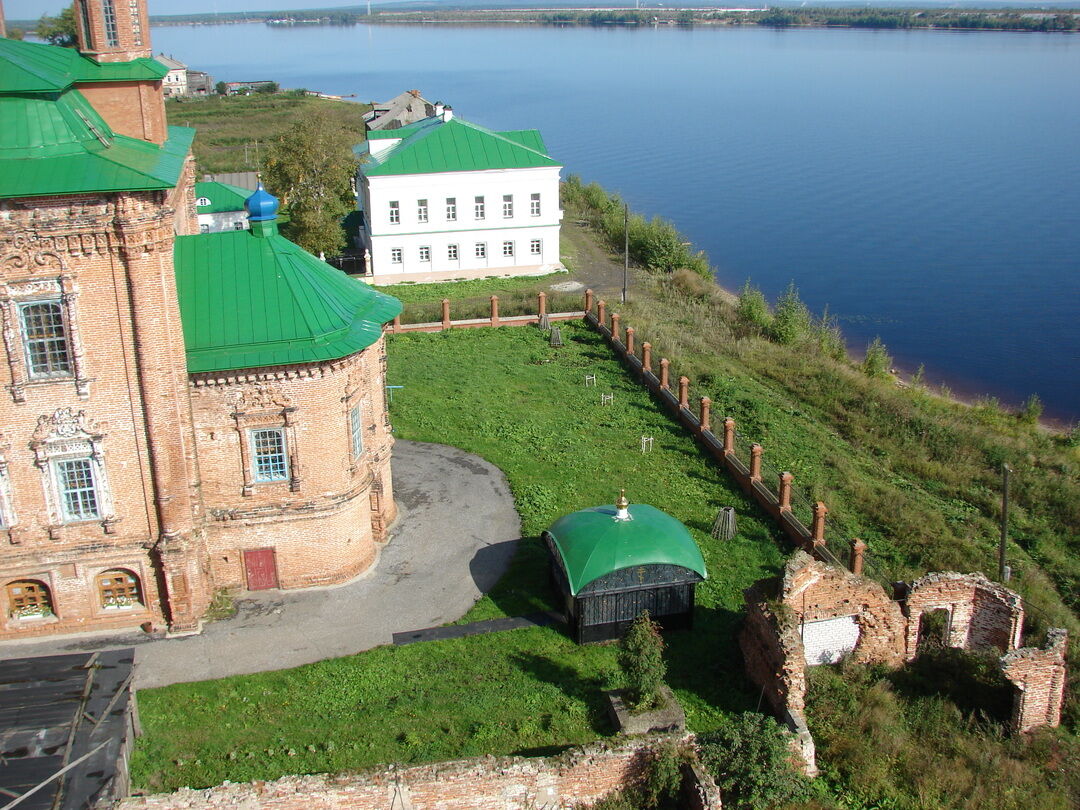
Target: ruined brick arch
x=981 y=613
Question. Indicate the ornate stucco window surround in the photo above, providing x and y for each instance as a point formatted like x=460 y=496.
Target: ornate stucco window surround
x=258 y=413
x=69 y=451
x=8 y=519
x=40 y=296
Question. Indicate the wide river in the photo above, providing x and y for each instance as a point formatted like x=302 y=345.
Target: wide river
x=924 y=185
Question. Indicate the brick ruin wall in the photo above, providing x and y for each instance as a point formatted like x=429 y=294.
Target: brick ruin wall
x=580 y=776
x=981 y=613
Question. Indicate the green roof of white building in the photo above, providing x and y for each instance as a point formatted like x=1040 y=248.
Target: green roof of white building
x=222 y=197
x=437 y=145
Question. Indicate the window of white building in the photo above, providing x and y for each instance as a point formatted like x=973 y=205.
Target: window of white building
x=395 y=212
x=421 y=211
x=268 y=454
x=451 y=209
x=478 y=207
x=48 y=353
x=508 y=206
x=536 y=247
x=452 y=252
x=534 y=205
x=425 y=253
x=481 y=250
x=395 y=255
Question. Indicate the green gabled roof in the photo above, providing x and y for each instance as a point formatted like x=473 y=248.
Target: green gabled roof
x=248 y=301
x=32 y=67
x=435 y=145
x=593 y=543
x=223 y=197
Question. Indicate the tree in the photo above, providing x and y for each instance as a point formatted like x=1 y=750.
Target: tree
x=791 y=319
x=309 y=168
x=641 y=658
x=58 y=30
x=15 y=33
x=877 y=361
x=269 y=87
x=221 y=89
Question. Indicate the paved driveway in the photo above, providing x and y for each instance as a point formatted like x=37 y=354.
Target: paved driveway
x=454 y=537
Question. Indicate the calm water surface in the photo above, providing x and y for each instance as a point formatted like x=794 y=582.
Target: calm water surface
x=924 y=185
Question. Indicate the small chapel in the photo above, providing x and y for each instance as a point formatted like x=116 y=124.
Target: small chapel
x=180 y=413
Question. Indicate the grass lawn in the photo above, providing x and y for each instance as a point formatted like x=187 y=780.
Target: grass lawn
x=506 y=395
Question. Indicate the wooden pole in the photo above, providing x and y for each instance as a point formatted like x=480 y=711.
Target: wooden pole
x=1004 y=519
x=626 y=249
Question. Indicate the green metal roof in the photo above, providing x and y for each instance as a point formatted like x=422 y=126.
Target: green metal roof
x=249 y=300
x=32 y=67
x=435 y=145
x=223 y=197
x=593 y=543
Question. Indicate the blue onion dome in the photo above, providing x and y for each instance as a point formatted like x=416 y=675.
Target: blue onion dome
x=261 y=206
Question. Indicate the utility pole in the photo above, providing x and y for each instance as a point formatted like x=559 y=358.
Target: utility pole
x=626 y=249
x=1004 y=519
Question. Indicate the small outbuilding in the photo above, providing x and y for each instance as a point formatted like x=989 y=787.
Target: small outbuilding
x=611 y=564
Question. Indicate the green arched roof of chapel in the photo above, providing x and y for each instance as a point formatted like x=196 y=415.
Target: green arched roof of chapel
x=593 y=543
x=250 y=300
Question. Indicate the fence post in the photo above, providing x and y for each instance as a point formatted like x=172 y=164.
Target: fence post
x=703 y=417
x=817 y=530
x=615 y=317
x=646 y=356
x=755 y=462
x=684 y=392
x=629 y=340
x=664 y=363
x=601 y=312
x=588 y=301
x=858 y=549
x=494 y=310
x=784 y=493
x=729 y=436
x=541 y=304
x=397 y=324
x=446 y=313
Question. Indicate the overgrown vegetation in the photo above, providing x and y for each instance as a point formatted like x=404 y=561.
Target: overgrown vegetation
x=234 y=131
x=932 y=735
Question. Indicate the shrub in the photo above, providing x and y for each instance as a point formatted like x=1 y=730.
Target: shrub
x=877 y=361
x=1031 y=410
x=752 y=310
x=641 y=658
x=750 y=761
x=791 y=321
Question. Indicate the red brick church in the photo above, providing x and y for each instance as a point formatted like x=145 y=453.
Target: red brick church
x=179 y=413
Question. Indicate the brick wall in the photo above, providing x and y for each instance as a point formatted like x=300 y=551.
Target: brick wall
x=1039 y=677
x=981 y=613
x=580 y=776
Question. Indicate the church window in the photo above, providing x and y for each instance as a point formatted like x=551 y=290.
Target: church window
x=268 y=452
x=77 y=487
x=108 y=11
x=47 y=351
x=356 y=431
x=29 y=599
x=118 y=589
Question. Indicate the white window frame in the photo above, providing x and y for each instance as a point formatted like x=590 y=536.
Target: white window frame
x=536 y=247
x=396 y=256
x=421 y=211
x=508 y=249
x=452 y=253
x=65 y=338
x=480 y=250
x=395 y=212
x=7 y=512
x=67 y=515
x=451 y=209
x=508 y=206
x=479 y=209
x=356 y=431
x=425 y=253
x=534 y=204
x=273 y=477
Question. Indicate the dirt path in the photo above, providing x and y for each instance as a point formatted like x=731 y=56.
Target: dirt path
x=591 y=264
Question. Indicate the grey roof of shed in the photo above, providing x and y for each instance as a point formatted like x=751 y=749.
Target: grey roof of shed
x=53 y=711
x=400 y=111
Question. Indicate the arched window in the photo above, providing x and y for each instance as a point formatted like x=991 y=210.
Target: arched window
x=29 y=599
x=118 y=589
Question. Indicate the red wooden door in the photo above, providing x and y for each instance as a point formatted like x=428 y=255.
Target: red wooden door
x=261 y=567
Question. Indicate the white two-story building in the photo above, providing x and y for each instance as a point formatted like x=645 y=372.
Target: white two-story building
x=444 y=198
